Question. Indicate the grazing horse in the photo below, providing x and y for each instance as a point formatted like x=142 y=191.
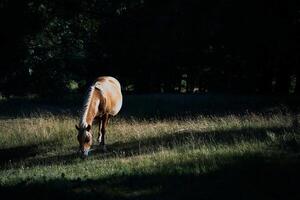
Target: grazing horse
x=104 y=100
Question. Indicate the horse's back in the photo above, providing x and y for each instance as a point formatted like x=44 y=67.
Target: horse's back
x=110 y=80
x=110 y=88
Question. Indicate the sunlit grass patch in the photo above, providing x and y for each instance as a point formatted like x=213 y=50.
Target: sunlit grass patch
x=157 y=154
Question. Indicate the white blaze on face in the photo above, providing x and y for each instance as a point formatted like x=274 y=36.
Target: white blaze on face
x=86 y=152
x=86 y=144
x=85 y=139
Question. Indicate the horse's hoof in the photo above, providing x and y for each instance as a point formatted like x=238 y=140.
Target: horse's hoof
x=103 y=148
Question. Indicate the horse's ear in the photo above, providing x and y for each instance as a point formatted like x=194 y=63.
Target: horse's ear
x=88 y=128
x=76 y=126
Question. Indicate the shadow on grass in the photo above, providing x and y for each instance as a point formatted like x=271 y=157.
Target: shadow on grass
x=159 y=106
x=22 y=107
x=32 y=155
x=20 y=153
x=17 y=153
x=253 y=177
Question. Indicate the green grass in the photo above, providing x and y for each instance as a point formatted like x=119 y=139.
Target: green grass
x=249 y=156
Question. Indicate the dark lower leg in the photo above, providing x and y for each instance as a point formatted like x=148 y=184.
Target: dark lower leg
x=102 y=138
x=103 y=129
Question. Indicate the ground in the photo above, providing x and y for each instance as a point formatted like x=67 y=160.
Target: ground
x=159 y=147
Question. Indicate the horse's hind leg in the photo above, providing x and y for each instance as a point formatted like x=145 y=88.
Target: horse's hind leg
x=103 y=130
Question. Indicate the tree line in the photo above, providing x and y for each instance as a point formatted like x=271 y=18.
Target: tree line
x=59 y=46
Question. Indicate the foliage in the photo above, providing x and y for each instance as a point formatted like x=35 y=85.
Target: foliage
x=223 y=46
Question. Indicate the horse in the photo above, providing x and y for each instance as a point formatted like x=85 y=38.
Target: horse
x=103 y=101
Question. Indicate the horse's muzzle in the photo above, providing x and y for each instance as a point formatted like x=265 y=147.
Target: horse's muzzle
x=85 y=153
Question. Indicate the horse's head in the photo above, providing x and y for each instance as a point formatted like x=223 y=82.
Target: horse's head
x=84 y=138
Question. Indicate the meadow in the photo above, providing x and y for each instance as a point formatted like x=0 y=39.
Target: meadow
x=159 y=147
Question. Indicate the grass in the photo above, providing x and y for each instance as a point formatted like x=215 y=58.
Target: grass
x=253 y=155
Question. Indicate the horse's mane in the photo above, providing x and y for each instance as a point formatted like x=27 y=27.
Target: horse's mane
x=87 y=102
x=86 y=105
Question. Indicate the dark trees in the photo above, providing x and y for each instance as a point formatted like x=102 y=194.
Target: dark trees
x=60 y=46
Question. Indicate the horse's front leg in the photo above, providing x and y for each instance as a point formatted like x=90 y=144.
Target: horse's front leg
x=103 y=131
x=99 y=131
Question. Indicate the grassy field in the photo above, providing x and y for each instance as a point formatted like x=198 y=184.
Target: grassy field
x=170 y=147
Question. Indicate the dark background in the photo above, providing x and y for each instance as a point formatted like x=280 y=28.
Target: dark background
x=53 y=47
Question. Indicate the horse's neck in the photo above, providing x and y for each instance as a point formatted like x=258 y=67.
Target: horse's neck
x=91 y=109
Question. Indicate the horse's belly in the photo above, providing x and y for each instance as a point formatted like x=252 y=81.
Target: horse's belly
x=114 y=96
x=116 y=109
